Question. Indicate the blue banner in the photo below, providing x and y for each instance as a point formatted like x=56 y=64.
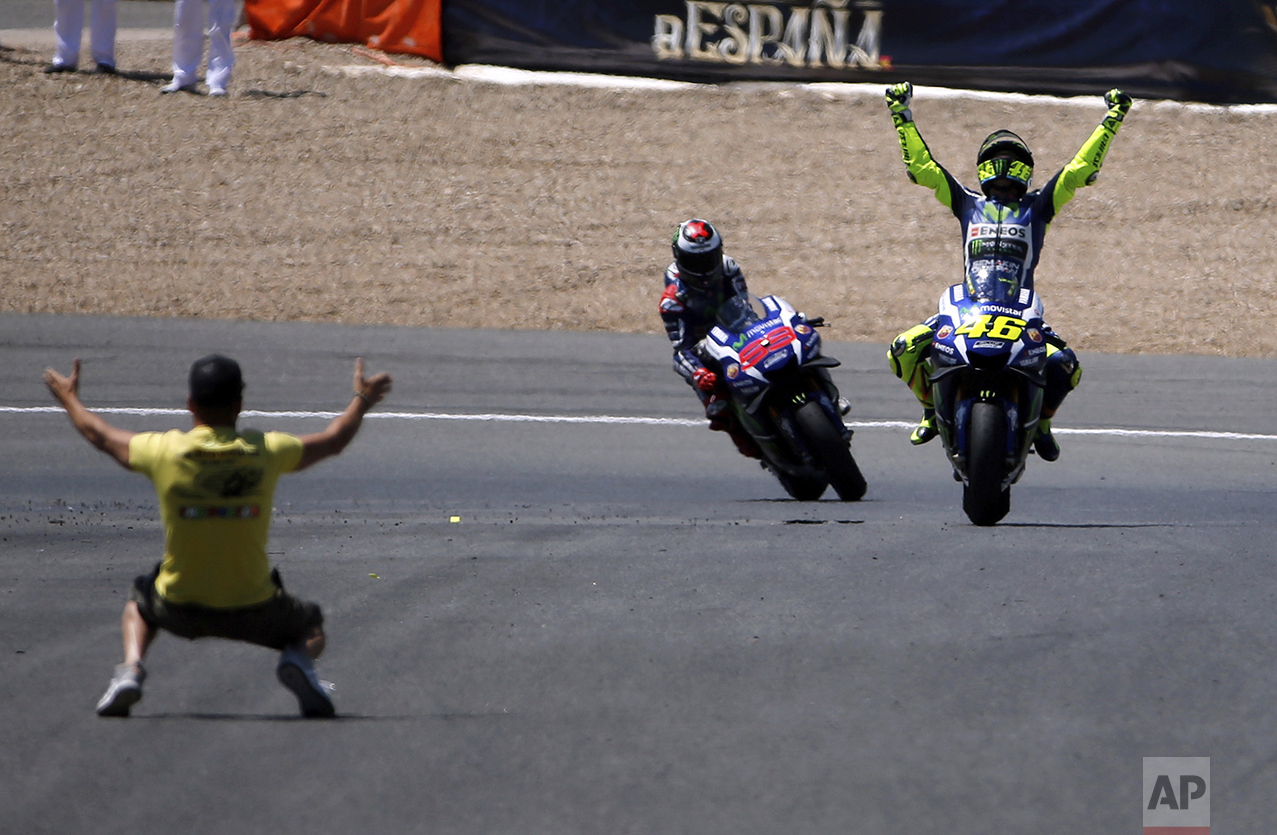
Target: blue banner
x=1201 y=50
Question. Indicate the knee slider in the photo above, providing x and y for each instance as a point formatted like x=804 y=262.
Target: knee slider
x=1063 y=367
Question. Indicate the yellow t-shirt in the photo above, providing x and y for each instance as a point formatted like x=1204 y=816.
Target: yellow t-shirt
x=215 y=487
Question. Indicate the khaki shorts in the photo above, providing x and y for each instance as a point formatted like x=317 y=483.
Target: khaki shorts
x=282 y=621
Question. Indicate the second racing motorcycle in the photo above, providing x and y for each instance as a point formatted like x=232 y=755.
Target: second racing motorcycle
x=781 y=392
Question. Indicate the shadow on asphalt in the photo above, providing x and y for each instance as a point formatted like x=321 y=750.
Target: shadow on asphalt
x=1122 y=525
x=278 y=717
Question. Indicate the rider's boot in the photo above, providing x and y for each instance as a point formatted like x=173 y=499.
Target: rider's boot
x=926 y=428
x=1044 y=442
x=716 y=412
x=722 y=420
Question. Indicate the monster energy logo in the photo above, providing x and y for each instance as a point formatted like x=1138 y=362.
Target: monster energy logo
x=984 y=248
x=818 y=35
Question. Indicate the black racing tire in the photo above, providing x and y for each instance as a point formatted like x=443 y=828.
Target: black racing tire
x=830 y=452
x=802 y=489
x=983 y=498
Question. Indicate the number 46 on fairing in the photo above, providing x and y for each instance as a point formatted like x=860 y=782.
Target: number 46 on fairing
x=994 y=327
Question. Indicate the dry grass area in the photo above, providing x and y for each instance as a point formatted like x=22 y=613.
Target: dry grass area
x=309 y=194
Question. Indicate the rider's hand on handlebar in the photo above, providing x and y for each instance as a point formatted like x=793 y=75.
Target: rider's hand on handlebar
x=705 y=379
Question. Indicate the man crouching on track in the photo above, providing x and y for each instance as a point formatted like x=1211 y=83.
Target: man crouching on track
x=216 y=484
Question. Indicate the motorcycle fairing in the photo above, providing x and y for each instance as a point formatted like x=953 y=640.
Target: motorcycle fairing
x=986 y=351
x=763 y=350
x=772 y=340
x=989 y=335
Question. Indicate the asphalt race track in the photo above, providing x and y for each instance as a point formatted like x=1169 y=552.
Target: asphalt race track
x=630 y=629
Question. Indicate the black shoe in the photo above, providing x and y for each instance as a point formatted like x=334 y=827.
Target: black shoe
x=106 y=69
x=296 y=672
x=57 y=68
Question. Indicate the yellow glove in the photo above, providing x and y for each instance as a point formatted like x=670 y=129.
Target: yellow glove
x=899 y=96
x=1118 y=103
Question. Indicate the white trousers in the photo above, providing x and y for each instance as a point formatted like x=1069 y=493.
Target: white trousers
x=68 y=23
x=188 y=41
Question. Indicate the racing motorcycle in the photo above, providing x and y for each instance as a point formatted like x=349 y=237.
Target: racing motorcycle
x=782 y=394
x=988 y=363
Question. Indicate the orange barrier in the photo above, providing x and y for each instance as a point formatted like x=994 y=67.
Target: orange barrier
x=413 y=27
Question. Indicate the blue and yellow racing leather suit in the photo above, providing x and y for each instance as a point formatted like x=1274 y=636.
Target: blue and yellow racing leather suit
x=1001 y=243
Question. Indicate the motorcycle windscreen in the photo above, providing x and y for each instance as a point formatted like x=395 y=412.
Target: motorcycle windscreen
x=993 y=280
x=738 y=313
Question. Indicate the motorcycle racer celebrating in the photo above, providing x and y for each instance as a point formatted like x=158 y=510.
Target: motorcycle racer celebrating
x=1003 y=227
x=700 y=280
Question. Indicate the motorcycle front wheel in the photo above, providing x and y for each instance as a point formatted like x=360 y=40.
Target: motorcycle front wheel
x=831 y=452
x=983 y=498
x=802 y=489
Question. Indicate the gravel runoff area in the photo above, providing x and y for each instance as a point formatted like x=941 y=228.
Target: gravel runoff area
x=332 y=186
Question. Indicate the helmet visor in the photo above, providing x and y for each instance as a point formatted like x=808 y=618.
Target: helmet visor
x=700 y=263
x=705 y=276
x=1003 y=168
x=700 y=268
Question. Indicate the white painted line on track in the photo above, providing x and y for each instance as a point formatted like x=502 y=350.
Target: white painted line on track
x=635 y=421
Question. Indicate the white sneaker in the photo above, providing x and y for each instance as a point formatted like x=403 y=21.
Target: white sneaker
x=217 y=91
x=297 y=673
x=176 y=86
x=124 y=691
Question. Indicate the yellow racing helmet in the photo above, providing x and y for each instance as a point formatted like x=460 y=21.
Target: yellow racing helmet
x=1004 y=156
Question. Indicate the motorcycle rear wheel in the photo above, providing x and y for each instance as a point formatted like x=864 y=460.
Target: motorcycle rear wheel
x=983 y=498
x=831 y=452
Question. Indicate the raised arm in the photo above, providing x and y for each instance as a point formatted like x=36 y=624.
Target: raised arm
x=110 y=439
x=1085 y=166
x=919 y=165
x=368 y=393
